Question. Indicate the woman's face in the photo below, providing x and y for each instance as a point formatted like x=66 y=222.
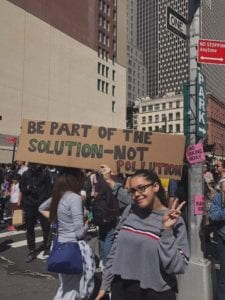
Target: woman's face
x=143 y=191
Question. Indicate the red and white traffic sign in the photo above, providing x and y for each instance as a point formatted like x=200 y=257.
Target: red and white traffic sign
x=211 y=52
x=11 y=139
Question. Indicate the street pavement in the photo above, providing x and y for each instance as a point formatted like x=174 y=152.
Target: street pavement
x=20 y=280
x=23 y=281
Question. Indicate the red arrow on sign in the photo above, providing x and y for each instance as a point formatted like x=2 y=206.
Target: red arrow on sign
x=211 y=52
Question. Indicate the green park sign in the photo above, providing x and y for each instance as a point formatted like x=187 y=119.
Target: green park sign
x=201 y=106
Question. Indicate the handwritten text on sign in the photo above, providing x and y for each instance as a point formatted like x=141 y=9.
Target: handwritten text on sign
x=195 y=153
x=87 y=146
x=199 y=204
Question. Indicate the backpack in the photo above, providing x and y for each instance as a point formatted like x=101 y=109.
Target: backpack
x=105 y=208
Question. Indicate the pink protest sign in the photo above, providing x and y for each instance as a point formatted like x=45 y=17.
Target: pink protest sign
x=199 y=204
x=195 y=153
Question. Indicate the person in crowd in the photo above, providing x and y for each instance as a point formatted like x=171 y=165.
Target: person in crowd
x=208 y=176
x=21 y=167
x=217 y=214
x=66 y=209
x=220 y=172
x=35 y=187
x=150 y=245
x=5 y=195
x=105 y=213
x=14 y=197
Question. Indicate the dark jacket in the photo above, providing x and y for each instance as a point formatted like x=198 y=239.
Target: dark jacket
x=217 y=213
x=36 y=187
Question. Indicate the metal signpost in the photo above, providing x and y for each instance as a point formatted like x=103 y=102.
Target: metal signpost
x=196 y=283
x=211 y=52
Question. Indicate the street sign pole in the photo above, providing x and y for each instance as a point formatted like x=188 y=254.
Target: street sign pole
x=196 y=283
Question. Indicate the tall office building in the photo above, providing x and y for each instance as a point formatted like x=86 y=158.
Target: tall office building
x=165 y=54
x=63 y=61
x=136 y=70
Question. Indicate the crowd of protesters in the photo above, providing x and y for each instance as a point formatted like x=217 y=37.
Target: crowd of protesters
x=126 y=212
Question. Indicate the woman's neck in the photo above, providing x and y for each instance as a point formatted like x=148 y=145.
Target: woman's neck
x=157 y=205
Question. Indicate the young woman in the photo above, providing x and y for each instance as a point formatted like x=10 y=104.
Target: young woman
x=151 y=245
x=66 y=210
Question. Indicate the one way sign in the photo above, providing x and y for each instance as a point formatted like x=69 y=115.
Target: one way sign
x=176 y=23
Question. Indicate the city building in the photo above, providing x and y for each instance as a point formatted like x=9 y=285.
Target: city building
x=64 y=61
x=163 y=114
x=165 y=53
x=216 y=126
x=136 y=70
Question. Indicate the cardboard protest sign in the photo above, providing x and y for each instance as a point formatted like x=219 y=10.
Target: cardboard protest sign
x=195 y=153
x=199 y=204
x=87 y=146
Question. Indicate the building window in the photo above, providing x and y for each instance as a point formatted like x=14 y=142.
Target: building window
x=114 y=45
x=98 y=84
x=107 y=72
x=163 y=129
x=163 y=105
x=170 y=117
x=143 y=120
x=113 y=90
x=99 y=68
x=114 y=15
x=157 y=128
x=143 y=128
x=108 y=10
x=177 y=127
x=150 y=128
x=114 y=30
x=103 y=70
x=113 y=74
x=177 y=104
x=143 y=108
x=106 y=87
x=156 y=106
x=149 y=119
x=103 y=86
x=177 y=116
x=150 y=108
x=163 y=117
x=157 y=118
x=170 y=104
x=170 y=128
x=113 y=106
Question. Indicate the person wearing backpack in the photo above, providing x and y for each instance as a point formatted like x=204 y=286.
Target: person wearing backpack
x=105 y=213
x=217 y=215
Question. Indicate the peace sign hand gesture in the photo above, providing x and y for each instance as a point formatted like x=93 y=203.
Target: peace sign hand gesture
x=171 y=217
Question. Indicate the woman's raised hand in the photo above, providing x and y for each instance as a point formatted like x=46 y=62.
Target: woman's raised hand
x=171 y=217
x=105 y=171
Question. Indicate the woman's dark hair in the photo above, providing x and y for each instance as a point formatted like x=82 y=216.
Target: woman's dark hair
x=69 y=179
x=151 y=176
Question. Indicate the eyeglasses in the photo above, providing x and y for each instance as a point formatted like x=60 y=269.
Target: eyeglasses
x=140 y=188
